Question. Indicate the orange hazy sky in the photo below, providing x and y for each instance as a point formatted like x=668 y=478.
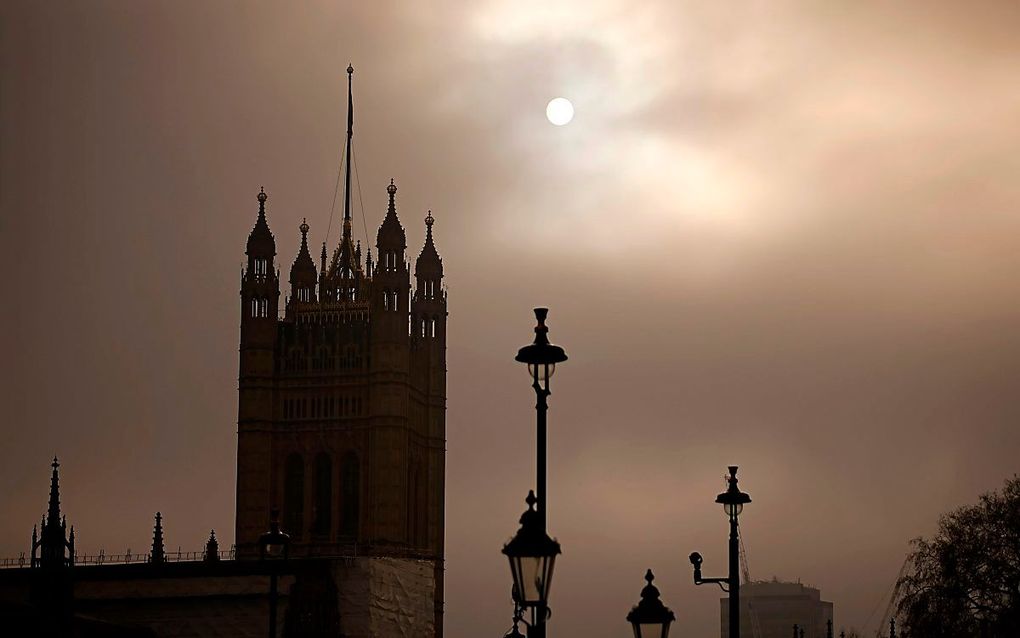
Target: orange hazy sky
x=783 y=235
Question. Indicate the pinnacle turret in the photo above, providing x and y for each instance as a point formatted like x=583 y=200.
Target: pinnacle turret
x=157 y=555
x=391 y=239
x=51 y=542
x=302 y=273
x=212 y=548
x=260 y=241
x=53 y=512
x=429 y=262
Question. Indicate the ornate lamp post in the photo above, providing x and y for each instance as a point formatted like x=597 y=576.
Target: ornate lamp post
x=733 y=501
x=532 y=553
x=273 y=545
x=650 y=618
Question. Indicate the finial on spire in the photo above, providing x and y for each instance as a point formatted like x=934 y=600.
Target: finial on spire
x=429 y=220
x=350 y=69
x=391 y=190
x=304 y=226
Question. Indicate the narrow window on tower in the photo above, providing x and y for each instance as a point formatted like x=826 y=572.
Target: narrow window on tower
x=350 y=492
x=323 y=494
x=433 y=326
x=294 y=496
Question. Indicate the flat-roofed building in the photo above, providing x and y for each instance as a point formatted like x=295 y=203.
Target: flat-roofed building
x=770 y=609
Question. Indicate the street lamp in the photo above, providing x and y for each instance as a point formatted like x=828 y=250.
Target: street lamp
x=650 y=618
x=733 y=501
x=531 y=552
x=273 y=545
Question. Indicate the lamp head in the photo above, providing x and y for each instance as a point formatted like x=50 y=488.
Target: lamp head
x=696 y=560
x=541 y=356
x=733 y=499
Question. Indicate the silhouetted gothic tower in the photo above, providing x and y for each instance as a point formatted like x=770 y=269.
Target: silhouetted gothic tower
x=342 y=401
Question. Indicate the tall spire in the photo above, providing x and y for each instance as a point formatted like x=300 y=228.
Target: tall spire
x=350 y=134
x=344 y=260
x=51 y=543
x=157 y=555
x=53 y=514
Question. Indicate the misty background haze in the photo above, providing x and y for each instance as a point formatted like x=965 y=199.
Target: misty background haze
x=779 y=235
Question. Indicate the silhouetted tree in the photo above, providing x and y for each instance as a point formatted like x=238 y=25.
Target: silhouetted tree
x=965 y=580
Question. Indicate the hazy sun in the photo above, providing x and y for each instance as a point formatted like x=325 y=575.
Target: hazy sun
x=559 y=111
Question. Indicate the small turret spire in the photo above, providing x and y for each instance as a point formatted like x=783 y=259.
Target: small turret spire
x=51 y=542
x=53 y=513
x=157 y=555
x=212 y=548
x=260 y=240
x=391 y=240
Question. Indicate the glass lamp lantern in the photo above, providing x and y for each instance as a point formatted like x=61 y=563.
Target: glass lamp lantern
x=541 y=356
x=733 y=499
x=532 y=556
x=650 y=618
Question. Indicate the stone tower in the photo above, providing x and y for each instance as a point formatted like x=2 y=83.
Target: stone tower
x=342 y=401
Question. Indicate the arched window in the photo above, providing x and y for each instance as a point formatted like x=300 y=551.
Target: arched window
x=294 y=496
x=350 y=494
x=323 y=494
x=432 y=330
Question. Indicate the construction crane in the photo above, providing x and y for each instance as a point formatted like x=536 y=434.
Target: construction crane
x=890 y=606
x=755 y=627
x=893 y=598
